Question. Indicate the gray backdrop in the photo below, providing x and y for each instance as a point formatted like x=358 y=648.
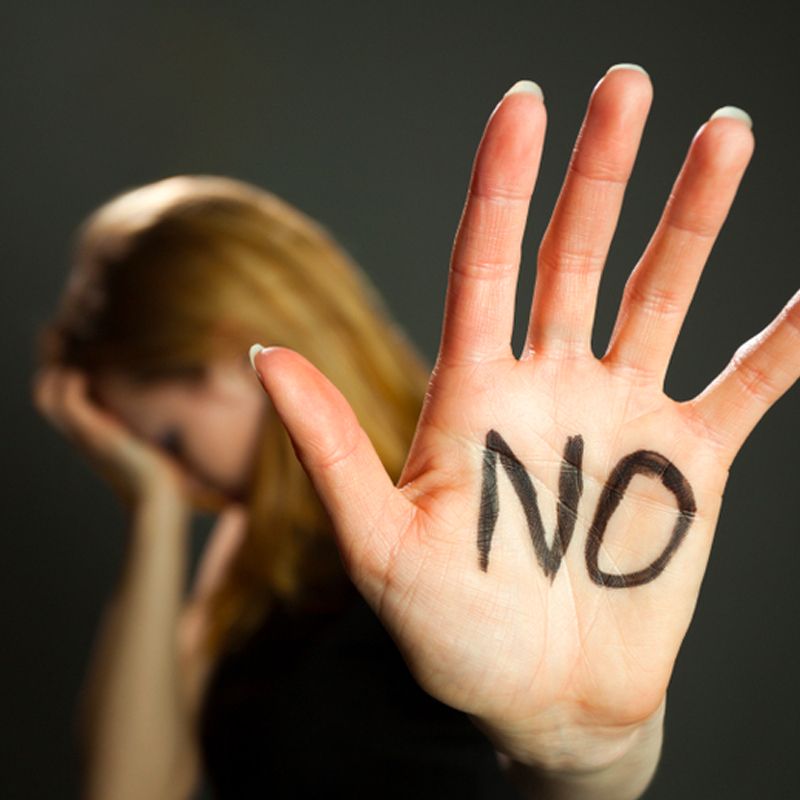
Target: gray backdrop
x=367 y=116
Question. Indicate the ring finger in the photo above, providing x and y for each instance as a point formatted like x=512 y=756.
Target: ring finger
x=659 y=290
x=575 y=245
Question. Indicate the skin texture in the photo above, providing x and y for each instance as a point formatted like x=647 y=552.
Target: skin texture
x=565 y=674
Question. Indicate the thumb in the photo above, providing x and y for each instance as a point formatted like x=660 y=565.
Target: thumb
x=369 y=514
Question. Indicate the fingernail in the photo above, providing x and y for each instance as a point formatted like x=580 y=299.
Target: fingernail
x=733 y=113
x=627 y=66
x=526 y=86
x=254 y=351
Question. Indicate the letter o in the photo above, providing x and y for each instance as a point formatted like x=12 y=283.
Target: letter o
x=651 y=463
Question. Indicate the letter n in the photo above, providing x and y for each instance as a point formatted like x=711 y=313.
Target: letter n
x=570 y=487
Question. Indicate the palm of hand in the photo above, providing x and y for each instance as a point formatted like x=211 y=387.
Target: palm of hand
x=519 y=639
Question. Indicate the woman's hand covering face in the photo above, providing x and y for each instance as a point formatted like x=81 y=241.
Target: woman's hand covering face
x=540 y=559
x=136 y=469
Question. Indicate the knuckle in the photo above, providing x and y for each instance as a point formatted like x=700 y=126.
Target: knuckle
x=698 y=423
x=653 y=299
x=556 y=257
x=484 y=268
x=597 y=170
x=638 y=374
x=563 y=349
x=331 y=454
x=499 y=194
x=696 y=223
x=754 y=380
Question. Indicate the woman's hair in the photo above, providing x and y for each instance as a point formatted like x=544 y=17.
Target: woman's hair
x=170 y=275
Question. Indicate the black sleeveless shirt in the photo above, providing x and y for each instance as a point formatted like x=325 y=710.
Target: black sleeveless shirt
x=323 y=705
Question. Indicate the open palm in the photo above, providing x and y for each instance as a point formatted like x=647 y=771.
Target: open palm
x=539 y=561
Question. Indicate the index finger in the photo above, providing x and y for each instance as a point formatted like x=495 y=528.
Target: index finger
x=479 y=307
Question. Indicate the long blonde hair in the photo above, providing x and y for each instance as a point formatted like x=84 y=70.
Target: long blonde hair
x=170 y=275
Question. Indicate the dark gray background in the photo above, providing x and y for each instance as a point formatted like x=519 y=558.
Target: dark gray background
x=367 y=116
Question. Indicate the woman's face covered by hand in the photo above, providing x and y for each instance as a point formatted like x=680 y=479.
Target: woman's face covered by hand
x=210 y=425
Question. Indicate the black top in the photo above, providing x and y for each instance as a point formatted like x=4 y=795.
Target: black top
x=323 y=705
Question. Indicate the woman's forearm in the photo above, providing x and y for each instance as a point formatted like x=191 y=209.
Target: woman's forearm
x=136 y=731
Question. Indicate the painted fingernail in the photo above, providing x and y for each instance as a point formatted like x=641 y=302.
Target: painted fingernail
x=627 y=66
x=526 y=86
x=733 y=113
x=254 y=351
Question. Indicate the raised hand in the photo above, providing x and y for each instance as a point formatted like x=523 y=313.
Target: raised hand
x=539 y=561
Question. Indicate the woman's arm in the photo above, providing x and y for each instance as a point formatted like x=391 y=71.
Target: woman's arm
x=135 y=713
x=150 y=669
x=142 y=688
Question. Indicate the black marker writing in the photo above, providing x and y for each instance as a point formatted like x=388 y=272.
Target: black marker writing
x=647 y=462
x=570 y=488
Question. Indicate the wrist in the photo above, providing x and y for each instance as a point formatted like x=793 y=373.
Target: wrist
x=560 y=748
x=597 y=765
x=159 y=509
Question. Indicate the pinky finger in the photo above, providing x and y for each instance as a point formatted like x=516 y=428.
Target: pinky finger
x=761 y=370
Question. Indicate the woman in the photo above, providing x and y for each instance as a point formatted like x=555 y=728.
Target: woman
x=552 y=632
x=170 y=286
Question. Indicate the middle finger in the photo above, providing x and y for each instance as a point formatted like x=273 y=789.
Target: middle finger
x=575 y=245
